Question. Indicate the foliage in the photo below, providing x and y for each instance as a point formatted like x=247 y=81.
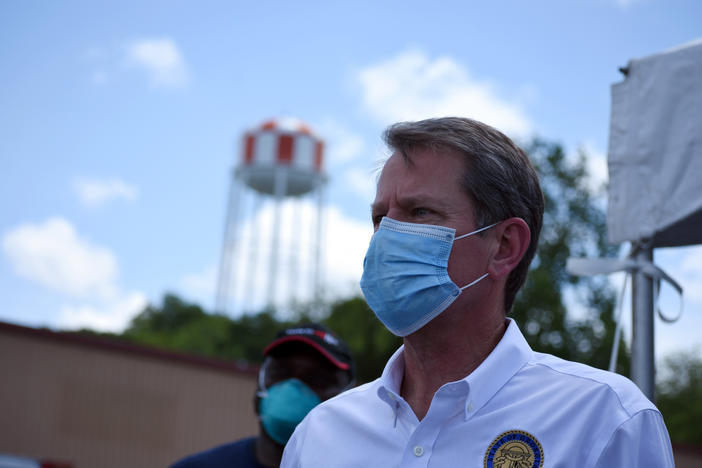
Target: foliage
x=574 y=226
x=178 y=325
x=371 y=344
x=680 y=398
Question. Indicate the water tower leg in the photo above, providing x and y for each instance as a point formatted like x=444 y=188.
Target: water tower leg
x=294 y=266
x=228 y=245
x=253 y=247
x=280 y=187
x=319 y=238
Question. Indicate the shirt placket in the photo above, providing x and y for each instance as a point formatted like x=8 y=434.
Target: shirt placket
x=419 y=448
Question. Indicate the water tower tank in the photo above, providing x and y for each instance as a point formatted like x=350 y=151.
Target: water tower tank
x=278 y=143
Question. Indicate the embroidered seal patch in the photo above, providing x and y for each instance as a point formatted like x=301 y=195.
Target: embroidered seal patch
x=514 y=449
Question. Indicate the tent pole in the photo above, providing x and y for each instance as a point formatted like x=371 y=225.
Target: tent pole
x=642 y=353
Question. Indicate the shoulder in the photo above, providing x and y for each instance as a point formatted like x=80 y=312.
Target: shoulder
x=605 y=413
x=581 y=379
x=222 y=455
x=353 y=417
x=357 y=406
x=356 y=399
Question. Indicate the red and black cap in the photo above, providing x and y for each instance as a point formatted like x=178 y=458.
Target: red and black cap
x=321 y=339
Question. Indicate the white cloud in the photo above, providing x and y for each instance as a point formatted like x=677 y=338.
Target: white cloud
x=96 y=192
x=596 y=165
x=108 y=316
x=201 y=285
x=345 y=241
x=624 y=4
x=346 y=154
x=691 y=276
x=413 y=86
x=53 y=255
x=346 y=244
x=342 y=145
x=363 y=182
x=161 y=59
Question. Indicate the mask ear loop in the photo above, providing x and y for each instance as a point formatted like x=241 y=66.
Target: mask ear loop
x=262 y=391
x=471 y=284
x=477 y=231
x=470 y=234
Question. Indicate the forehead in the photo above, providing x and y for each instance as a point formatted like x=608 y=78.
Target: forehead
x=425 y=173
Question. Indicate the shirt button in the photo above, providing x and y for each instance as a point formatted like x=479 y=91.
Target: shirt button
x=418 y=451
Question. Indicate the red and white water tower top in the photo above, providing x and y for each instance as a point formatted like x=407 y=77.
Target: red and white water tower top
x=281 y=143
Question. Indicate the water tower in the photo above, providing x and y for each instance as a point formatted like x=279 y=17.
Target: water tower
x=279 y=166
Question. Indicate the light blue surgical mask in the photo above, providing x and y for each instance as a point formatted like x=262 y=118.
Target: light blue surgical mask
x=405 y=274
x=283 y=406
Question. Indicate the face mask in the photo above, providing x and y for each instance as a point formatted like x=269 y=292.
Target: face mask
x=405 y=274
x=283 y=406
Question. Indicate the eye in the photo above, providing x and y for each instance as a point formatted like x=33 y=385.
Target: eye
x=421 y=211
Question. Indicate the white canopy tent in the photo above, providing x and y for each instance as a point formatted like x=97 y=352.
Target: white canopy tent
x=655 y=182
x=655 y=150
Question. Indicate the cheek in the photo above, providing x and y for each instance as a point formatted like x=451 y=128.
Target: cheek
x=457 y=265
x=456 y=268
x=466 y=263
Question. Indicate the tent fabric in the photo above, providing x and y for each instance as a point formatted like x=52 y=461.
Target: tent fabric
x=655 y=150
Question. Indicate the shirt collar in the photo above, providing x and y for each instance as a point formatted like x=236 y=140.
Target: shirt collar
x=391 y=378
x=510 y=355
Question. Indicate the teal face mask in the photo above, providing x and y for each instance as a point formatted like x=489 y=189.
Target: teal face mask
x=283 y=406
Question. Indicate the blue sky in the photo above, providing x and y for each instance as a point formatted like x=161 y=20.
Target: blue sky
x=120 y=123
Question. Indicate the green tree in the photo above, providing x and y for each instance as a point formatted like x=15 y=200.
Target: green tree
x=680 y=397
x=182 y=326
x=370 y=342
x=574 y=226
x=251 y=333
x=178 y=325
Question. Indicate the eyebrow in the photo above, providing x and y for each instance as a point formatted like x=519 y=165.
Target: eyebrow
x=413 y=200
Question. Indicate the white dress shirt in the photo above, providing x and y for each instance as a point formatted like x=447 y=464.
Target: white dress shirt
x=517 y=409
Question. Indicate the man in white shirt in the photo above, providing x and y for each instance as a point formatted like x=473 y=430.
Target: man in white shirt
x=457 y=214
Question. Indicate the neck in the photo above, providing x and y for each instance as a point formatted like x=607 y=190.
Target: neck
x=447 y=349
x=267 y=451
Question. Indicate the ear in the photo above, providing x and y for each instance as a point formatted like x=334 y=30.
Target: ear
x=512 y=237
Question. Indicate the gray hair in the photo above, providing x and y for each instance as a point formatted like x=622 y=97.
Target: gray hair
x=499 y=178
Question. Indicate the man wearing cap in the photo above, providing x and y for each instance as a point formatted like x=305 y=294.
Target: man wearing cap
x=457 y=216
x=303 y=366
